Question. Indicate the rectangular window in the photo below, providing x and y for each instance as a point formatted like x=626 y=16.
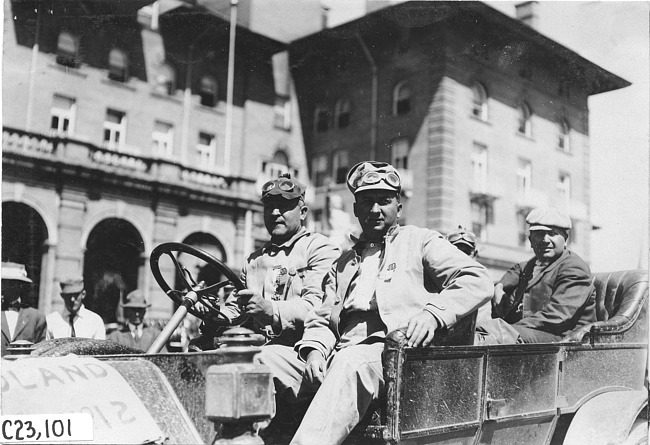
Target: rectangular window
x=522 y=227
x=162 y=139
x=479 y=168
x=62 y=115
x=114 y=129
x=399 y=153
x=207 y=151
x=282 y=113
x=524 y=177
x=564 y=188
x=319 y=170
x=480 y=215
x=340 y=166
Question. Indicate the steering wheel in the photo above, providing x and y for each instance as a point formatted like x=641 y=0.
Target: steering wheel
x=207 y=295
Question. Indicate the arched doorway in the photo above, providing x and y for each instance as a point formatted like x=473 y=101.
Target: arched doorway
x=111 y=265
x=23 y=241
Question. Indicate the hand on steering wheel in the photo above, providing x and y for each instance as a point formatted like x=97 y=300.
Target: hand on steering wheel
x=208 y=300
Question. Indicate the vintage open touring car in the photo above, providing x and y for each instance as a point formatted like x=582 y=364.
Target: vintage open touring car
x=591 y=388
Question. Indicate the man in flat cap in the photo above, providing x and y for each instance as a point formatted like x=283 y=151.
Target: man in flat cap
x=19 y=321
x=75 y=320
x=133 y=332
x=283 y=277
x=394 y=277
x=546 y=297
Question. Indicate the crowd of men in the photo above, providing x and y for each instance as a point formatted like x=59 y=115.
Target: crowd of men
x=326 y=313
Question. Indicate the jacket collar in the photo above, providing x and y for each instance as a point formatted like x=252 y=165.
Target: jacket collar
x=549 y=267
x=360 y=243
x=287 y=244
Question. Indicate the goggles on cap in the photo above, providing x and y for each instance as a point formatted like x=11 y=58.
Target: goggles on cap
x=461 y=236
x=373 y=177
x=286 y=185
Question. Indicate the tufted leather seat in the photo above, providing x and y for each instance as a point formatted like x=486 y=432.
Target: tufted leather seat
x=620 y=298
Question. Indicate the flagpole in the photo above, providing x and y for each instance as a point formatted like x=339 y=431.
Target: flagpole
x=231 y=81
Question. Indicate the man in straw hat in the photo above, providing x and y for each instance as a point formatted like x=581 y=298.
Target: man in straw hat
x=133 y=332
x=75 y=320
x=394 y=277
x=546 y=297
x=19 y=321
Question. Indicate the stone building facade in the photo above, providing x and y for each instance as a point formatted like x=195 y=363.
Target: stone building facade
x=485 y=116
x=118 y=136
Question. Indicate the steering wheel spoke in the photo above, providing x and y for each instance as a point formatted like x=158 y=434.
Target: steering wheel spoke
x=207 y=294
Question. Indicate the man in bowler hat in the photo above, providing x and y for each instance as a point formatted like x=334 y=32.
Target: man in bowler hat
x=133 y=332
x=19 y=321
x=75 y=320
x=542 y=299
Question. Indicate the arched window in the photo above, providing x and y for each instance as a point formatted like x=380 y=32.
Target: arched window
x=67 y=50
x=208 y=89
x=563 y=139
x=165 y=79
x=321 y=119
x=118 y=65
x=525 y=125
x=479 y=102
x=342 y=112
x=402 y=99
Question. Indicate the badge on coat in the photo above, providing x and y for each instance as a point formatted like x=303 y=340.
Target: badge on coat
x=386 y=275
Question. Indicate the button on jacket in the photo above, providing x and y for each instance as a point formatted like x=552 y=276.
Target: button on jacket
x=306 y=259
x=419 y=270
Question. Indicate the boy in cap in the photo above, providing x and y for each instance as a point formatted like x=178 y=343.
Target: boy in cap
x=283 y=277
x=75 y=320
x=19 y=321
x=133 y=332
x=546 y=297
x=394 y=277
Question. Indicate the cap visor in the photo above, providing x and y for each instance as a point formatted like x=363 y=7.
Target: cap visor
x=540 y=227
x=379 y=186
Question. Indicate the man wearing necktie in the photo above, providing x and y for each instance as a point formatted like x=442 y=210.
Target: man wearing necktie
x=75 y=320
x=546 y=297
x=19 y=321
x=134 y=333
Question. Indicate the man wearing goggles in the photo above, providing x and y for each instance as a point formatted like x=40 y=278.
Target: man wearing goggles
x=394 y=278
x=464 y=240
x=542 y=299
x=283 y=277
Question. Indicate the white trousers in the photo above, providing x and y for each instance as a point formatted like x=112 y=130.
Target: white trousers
x=353 y=379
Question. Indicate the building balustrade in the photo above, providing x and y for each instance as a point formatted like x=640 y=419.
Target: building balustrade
x=123 y=163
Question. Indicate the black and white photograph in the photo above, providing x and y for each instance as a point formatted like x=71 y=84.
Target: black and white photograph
x=199 y=195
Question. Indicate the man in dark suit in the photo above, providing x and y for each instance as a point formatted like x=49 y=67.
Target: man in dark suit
x=134 y=333
x=546 y=297
x=19 y=321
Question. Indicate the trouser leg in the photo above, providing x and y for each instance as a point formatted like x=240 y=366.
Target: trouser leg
x=354 y=378
x=286 y=369
x=528 y=335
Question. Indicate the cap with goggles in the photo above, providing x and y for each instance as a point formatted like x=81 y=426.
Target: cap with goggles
x=373 y=175
x=284 y=187
x=462 y=236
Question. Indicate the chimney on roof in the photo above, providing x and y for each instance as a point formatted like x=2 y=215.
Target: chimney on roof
x=527 y=13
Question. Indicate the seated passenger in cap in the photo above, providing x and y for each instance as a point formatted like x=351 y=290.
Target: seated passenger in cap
x=542 y=299
x=283 y=277
x=464 y=240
